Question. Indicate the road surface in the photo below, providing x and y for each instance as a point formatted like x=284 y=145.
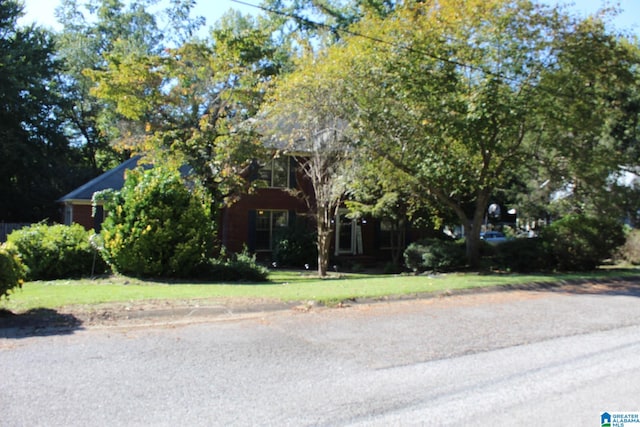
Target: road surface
x=550 y=356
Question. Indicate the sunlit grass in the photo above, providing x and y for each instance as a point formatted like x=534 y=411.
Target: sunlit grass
x=282 y=286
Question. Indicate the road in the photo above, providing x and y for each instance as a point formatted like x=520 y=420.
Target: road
x=507 y=358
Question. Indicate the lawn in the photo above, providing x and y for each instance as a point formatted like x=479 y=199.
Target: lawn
x=282 y=286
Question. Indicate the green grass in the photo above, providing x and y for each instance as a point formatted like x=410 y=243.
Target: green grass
x=283 y=286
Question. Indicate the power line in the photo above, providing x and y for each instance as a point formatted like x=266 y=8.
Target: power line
x=333 y=29
x=526 y=82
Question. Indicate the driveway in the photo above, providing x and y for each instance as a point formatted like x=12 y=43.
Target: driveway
x=517 y=357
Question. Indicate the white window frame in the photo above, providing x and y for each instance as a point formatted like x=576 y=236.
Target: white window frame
x=356 y=236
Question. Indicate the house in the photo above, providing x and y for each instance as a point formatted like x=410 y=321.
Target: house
x=77 y=205
x=255 y=219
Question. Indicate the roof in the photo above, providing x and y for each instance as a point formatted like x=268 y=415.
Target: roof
x=113 y=179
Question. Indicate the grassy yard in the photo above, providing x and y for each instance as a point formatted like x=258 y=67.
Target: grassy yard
x=283 y=286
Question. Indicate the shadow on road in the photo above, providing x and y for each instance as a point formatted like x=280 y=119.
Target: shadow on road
x=39 y=322
x=614 y=287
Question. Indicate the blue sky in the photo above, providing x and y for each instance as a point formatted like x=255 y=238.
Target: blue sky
x=41 y=11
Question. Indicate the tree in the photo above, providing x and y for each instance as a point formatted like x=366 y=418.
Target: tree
x=395 y=201
x=592 y=131
x=36 y=163
x=303 y=113
x=93 y=30
x=193 y=103
x=453 y=94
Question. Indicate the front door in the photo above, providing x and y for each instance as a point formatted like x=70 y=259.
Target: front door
x=348 y=235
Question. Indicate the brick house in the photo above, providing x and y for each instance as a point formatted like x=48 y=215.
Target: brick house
x=77 y=205
x=255 y=219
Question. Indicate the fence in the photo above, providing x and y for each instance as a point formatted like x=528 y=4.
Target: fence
x=7 y=227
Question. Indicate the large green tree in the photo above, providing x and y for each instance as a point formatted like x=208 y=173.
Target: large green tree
x=457 y=94
x=193 y=102
x=93 y=30
x=589 y=120
x=36 y=163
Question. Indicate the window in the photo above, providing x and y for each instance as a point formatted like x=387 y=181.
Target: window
x=275 y=172
x=348 y=235
x=389 y=234
x=267 y=225
x=68 y=214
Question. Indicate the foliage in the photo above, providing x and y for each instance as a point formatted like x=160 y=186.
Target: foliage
x=470 y=96
x=580 y=243
x=37 y=163
x=295 y=246
x=191 y=102
x=395 y=200
x=156 y=226
x=522 y=255
x=435 y=254
x=241 y=267
x=304 y=114
x=90 y=33
x=630 y=251
x=12 y=271
x=591 y=106
x=56 y=251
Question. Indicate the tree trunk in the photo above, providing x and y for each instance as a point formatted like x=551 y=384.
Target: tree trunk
x=324 y=247
x=324 y=240
x=398 y=237
x=473 y=232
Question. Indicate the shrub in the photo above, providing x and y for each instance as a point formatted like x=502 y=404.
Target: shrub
x=523 y=255
x=156 y=226
x=580 y=243
x=435 y=254
x=295 y=247
x=630 y=251
x=55 y=252
x=12 y=271
x=240 y=267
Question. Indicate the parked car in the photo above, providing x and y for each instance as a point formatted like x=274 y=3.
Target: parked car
x=493 y=237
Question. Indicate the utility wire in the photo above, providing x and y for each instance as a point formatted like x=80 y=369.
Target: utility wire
x=527 y=82
x=333 y=29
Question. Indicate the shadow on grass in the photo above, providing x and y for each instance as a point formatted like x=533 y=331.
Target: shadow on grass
x=38 y=322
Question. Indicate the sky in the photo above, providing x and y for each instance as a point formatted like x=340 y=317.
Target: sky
x=42 y=11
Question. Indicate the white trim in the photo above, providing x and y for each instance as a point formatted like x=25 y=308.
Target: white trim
x=353 y=249
x=68 y=213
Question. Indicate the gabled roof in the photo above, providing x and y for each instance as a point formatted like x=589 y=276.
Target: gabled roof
x=113 y=178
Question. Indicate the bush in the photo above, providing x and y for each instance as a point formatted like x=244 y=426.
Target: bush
x=12 y=271
x=240 y=267
x=156 y=226
x=295 y=247
x=630 y=251
x=55 y=252
x=581 y=243
x=523 y=256
x=435 y=254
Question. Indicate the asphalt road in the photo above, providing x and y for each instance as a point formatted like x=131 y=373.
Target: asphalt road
x=506 y=358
